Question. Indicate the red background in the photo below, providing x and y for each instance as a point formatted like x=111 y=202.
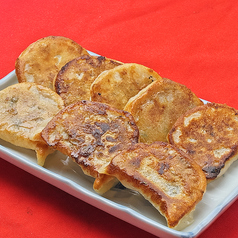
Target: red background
x=191 y=42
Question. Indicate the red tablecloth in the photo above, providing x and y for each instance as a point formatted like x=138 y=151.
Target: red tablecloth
x=191 y=42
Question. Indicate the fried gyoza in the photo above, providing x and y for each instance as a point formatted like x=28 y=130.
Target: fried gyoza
x=74 y=80
x=165 y=176
x=116 y=86
x=92 y=133
x=25 y=109
x=42 y=60
x=157 y=107
x=209 y=135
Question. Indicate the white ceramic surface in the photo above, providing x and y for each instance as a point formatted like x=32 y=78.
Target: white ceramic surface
x=127 y=205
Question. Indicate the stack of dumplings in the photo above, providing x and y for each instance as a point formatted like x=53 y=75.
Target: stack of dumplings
x=121 y=123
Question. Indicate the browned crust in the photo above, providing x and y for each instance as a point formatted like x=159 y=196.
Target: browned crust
x=116 y=86
x=157 y=107
x=74 y=80
x=215 y=131
x=39 y=59
x=173 y=168
x=95 y=132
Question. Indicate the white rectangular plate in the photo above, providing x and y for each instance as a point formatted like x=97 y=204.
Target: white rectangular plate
x=125 y=204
